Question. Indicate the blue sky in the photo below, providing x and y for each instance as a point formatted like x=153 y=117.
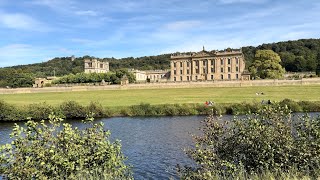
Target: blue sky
x=38 y=30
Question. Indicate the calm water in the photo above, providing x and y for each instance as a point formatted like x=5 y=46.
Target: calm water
x=153 y=145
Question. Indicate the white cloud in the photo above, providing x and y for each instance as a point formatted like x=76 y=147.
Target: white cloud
x=21 y=22
x=86 y=13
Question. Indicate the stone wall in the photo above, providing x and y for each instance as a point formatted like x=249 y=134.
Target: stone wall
x=307 y=81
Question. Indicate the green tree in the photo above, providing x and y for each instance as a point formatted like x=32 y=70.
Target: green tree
x=318 y=64
x=58 y=151
x=267 y=65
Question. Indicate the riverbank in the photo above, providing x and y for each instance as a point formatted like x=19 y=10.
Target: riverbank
x=74 y=110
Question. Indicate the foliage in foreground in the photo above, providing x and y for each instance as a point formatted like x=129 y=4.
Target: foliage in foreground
x=268 y=141
x=58 y=151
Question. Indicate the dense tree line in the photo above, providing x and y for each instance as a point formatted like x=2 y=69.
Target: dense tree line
x=141 y=63
x=296 y=56
x=110 y=77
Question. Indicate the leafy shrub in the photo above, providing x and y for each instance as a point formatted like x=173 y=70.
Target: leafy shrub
x=72 y=110
x=10 y=113
x=96 y=109
x=39 y=111
x=206 y=110
x=143 y=109
x=292 y=105
x=243 y=108
x=58 y=151
x=310 y=106
x=265 y=141
x=187 y=109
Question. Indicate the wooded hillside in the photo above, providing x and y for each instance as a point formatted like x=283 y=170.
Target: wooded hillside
x=296 y=56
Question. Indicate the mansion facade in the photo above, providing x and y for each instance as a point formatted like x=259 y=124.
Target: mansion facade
x=204 y=65
x=95 y=66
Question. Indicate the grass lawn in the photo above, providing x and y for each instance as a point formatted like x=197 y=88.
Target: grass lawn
x=114 y=98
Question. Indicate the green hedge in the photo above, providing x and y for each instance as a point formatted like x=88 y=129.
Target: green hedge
x=74 y=110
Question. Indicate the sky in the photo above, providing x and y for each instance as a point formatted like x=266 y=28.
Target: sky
x=34 y=31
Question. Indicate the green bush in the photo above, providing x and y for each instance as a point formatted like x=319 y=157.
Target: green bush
x=292 y=105
x=10 y=113
x=39 y=111
x=187 y=110
x=310 y=106
x=266 y=141
x=143 y=109
x=58 y=151
x=243 y=108
x=72 y=110
x=96 y=109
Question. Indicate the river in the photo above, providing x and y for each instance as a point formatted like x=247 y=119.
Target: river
x=153 y=145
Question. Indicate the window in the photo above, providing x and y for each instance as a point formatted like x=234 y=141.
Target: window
x=175 y=79
x=237 y=60
x=229 y=61
x=175 y=72
x=204 y=70
x=212 y=62
x=229 y=69
x=221 y=70
x=204 y=63
x=181 y=72
x=229 y=76
x=197 y=63
x=90 y=64
x=197 y=71
x=180 y=78
x=237 y=76
x=101 y=66
x=196 y=77
x=188 y=71
x=174 y=64
x=212 y=70
x=212 y=77
x=221 y=61
x=188 y=64
x=181 y=64
x=237 y=69
x=188 y=78
x=221 y=76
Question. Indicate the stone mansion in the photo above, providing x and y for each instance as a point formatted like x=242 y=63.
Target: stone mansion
x=95 y=66
x=204 y=65
x=194 y=66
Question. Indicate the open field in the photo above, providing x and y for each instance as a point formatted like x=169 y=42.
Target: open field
x=114 y=98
